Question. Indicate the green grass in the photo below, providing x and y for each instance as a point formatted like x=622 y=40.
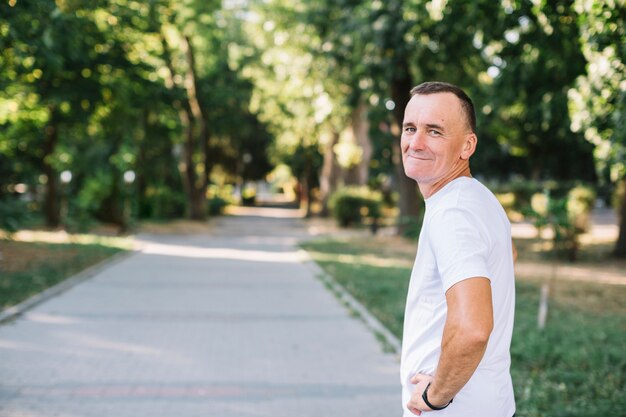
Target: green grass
x=575 y=367
x=27 y=268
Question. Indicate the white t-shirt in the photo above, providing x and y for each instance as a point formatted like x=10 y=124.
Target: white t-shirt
x=465 y=234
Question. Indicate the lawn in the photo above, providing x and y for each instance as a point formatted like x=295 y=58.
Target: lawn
x=32 y=262
x=575 y=367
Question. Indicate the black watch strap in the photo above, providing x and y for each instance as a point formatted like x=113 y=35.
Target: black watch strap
x=425 y=398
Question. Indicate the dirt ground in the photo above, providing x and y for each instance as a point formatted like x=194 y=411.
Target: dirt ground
x=20 y=256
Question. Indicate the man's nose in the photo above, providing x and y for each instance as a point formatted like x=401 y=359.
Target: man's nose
x=416 y=142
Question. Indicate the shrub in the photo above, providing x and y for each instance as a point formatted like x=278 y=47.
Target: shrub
x=162 y=202
x=580 y=202
x=248 y=196
x=567 y=216
x=351 y=204
x=13 y=214
x=216 y=206
x=516 y=196
x=411 y=227
x=507 y=200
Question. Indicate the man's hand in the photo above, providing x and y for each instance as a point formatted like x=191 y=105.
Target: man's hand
x=416 y=404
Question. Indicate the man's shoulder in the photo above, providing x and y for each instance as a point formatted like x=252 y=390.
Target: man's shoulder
x=469 y=205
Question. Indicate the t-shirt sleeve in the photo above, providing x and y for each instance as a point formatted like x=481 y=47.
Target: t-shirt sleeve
x=460 y=249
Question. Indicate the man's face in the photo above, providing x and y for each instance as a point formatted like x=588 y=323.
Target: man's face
x=433 y=136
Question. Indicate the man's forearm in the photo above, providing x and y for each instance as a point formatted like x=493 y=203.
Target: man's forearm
x=461 y=352
x=465 y=336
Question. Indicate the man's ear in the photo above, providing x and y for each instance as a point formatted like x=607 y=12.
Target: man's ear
x=469 y=146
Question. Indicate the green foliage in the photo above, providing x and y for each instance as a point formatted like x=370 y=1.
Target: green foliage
x=94 y=190
x=217 y=206
x=580 y=201
x=412 y=227
x=351 y=204
x=164 y=202
x=619 y=196
x=14 y=213
x=597 y=101
x=567 y=217
x=95 y=74
x=516 y=196
x=248 y=195
x=508 y=202
x=560 y=370
x=534 y=60
x=108 y=79
x=218 y=198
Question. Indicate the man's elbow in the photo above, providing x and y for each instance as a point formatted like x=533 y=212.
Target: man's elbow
x=478 y=334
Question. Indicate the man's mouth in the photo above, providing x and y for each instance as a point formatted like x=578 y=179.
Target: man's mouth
x=418 y=157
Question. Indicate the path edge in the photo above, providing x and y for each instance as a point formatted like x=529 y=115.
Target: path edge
x=13 y=312
x=391 y=344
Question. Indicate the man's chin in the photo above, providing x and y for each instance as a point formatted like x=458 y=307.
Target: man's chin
x=420 y=179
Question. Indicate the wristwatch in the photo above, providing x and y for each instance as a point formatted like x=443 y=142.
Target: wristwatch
x=425 y=398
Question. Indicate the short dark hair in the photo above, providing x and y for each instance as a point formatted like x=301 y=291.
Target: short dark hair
x=434 y=87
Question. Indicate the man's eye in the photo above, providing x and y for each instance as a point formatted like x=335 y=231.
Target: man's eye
x=409 y=129
x=434 y=132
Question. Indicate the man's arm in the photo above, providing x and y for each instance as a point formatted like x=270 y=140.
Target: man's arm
x=465 y=336
x=514 y=250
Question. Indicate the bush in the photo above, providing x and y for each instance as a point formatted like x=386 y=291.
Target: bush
x=350 y=205
x=567 y=216
x=13 y=214
x=517 y=196
x=411 y=227
x=248 y=196
x=507 y=200
x=78 y=220
x=162 y=202
x=580 y=202
x=216 y=206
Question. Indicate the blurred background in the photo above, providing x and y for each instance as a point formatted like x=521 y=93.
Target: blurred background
x=114 y=112
x=118 y=116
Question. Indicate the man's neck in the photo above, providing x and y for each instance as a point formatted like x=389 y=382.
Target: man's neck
x=428 y=190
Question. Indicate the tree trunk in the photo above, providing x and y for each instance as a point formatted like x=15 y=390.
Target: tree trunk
x=361 y=127
x=409 y=202
x=186 y=166
x=620 y=246
x=141 y=162
x=305 y=200
x=351 y=176
x=201 y=132
x=193 y=118
x=112 y=207
x=330 y=174
x=305 y=185
x=52 y=212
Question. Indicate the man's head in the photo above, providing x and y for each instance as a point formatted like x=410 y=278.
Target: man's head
x=434 y=87
x=437 y=135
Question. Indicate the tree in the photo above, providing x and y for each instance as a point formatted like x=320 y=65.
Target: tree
x=598 y=100
x=534 y=62
x=180 y=35
x=290 y=95
x=382 y=49
x=53 y=74
x=356 y=40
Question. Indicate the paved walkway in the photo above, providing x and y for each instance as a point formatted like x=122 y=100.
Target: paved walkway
x=231 y=324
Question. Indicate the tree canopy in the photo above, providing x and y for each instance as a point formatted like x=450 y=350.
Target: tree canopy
x=167 y=103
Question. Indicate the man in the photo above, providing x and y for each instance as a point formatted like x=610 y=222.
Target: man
x=460 y=304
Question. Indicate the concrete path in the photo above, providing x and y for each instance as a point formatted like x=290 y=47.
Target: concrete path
x=231 y=324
